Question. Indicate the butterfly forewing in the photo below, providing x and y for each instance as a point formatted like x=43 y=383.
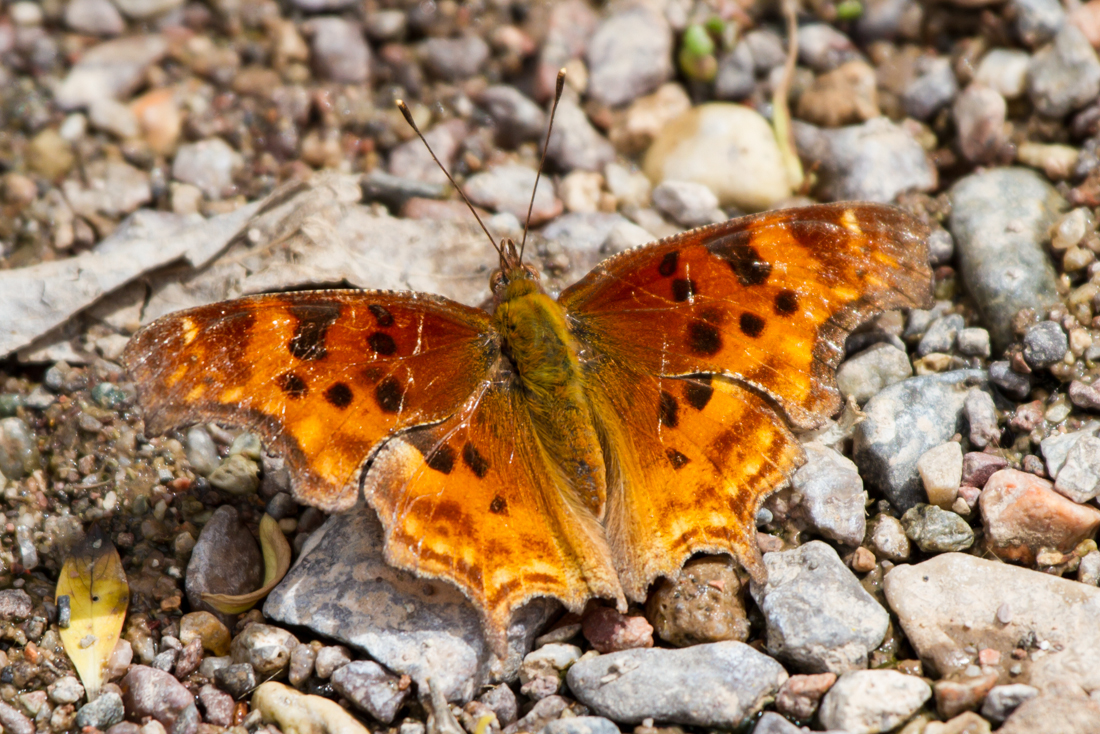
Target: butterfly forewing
x=323 y=376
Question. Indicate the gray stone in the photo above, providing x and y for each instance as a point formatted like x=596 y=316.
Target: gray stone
x=688 y=203
x=1084 y=395
x=905 y=420
x=145 y=9
x=202 y=452
x=823 y=48
x=864 y=375
x=329 y=659
x=543 y=670
x=13 y=720
x=1064 y=76
x=237 y=680
x=300 y=669
x=973 y=342
x=888 y=538
x=102 y=713
x=265 y=647
x=1005 y=71
x=15 y=605
x=935 y=530
x=66 y=689
x=542 y=713
x=1079 y=477
x=941 y=247
x=18 y=449
x=508 y=187
x=1001 y=701
x=736 y=77
x=884 y=19
x=454 y=59
x=225 y=560
x=339 y=51
x=1054 y=714
x=370 y=688
x=575 y=144
x=413 y=161
x=818 y=615
x=150 y=692
x=1000 y=219
x=188 y=721
x=629 y=55
x=1056 y=448
x=517 y=117
x=110 y=70
x=1088 y=572
x=341 y=587
x=956 y=602
x=872 y=701
x=502 y=700
x=833 y=499
x=208 y=164
x=941 y=334
x=1012 y=383
x=981 y=415
x=874 y=161
x=1045 y=344
x=237 y=475
x=384 y=25
x=581 y=725
x=940 y=469
x=768 y=50
x=980 y=114
x=217 y=706
x=94 y=17
x=321 y=6
x=714 y=685
x=1038 y=20
x=932 y=90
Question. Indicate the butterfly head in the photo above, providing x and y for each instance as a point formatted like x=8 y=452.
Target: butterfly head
x=513 y=278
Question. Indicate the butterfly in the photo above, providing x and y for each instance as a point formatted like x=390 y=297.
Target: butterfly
x=577 y=448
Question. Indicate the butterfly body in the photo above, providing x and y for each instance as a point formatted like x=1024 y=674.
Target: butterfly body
x=575 y=448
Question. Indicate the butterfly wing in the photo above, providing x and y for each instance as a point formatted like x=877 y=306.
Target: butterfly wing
x=474 y=499
x=757 y=309
x=323 y=376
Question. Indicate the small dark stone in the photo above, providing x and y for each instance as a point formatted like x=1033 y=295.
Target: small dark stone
x=236 y=680
x=1045 y=344
x=102 y=713
x=1013 y=384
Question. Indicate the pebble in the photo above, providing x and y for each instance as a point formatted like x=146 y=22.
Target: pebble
x=236 y=680
x=981 y=416
x=237 y=475
x=872 y=701
x=874 y=161
x=302 y=658
x=580 y=725
x=15 y=605
x=635 y=131
x=714 y=685
x=265 y=647
x=940 y=335
x=940 y=470
x=543 y=671
x=1000 y=219
x=844 y=96
x=932 y=90
x=688 y=203
x=454 y=59
x=1001 y=701
x=580 y=191
x=106 y=710
x=1084 y=396
x=371 y=689
x=569 y=25
x=704 y=603
x=574 y=143
x=608 y=630
x=1065 y=715
x=1079 y=477
x=961 y=694
x=847 y=622
x=822 y=47
x=1056 y=448
x=979 y=467
x=935 y=530
x=1022 y=514
x=954 y=603
x=329 y=659
x=113 y=117
x=1088 y=572
x=980 y=114
x=225 y=560
x=799 y=697
x=210 y=165
x=629 y=55
x=217 y=706
x=50 y=155
x=66 y=689
x=516 y=116
x=864 y=375
x=502 y=701
x=303 y=714
x=736 y=75
x=150 y=692
x=113 y=189
x=18 y=449
x=1045 y=344
x=94 y=17
x=1004 y=71
x=728 y=148
x=1012 y=383
x=903 y=421
x=1065 y=75
x=13 y=721
x=508 y=187
x=338 y=50
x=112 y=69
x=202 y=453
x=973 y=342
x=411 y=159
x=146 y=9
x=833 y=498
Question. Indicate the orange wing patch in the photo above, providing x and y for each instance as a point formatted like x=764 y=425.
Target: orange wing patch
x=767 y=300
x=322 y=376
x=474 y=500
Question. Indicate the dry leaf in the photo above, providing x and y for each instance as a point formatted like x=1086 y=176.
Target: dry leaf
x=95 y=584
x=276 y=563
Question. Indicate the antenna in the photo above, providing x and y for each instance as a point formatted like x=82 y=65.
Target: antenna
x=558 y=89
x=409 y=119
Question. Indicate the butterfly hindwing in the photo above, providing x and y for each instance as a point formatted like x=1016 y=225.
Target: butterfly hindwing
x=323 y=376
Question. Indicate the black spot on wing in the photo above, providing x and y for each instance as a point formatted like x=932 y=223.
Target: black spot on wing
x=669 y=410
x=472 y=458
x=498 y=506
x=314 y=320
x=703 y=338
x=293 y=385
x=441 y=458
x=677 y=459
x=751 y=325
x=389 y=394
x=339 y=395
x=683 y=289
x=786 y=302
x=698 y=391
x=744 y=261
x=381 y=314
x=668 y=265
x=381 y=343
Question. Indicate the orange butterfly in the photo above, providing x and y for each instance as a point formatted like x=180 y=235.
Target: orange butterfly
x=573 y=448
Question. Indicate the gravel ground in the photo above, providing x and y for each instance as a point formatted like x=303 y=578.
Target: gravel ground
x=933 y=567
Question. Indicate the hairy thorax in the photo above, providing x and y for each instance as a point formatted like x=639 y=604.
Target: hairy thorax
x=543 y=354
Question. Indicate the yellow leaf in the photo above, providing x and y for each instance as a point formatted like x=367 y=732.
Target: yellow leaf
x=95 y=584
x=276 y=563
